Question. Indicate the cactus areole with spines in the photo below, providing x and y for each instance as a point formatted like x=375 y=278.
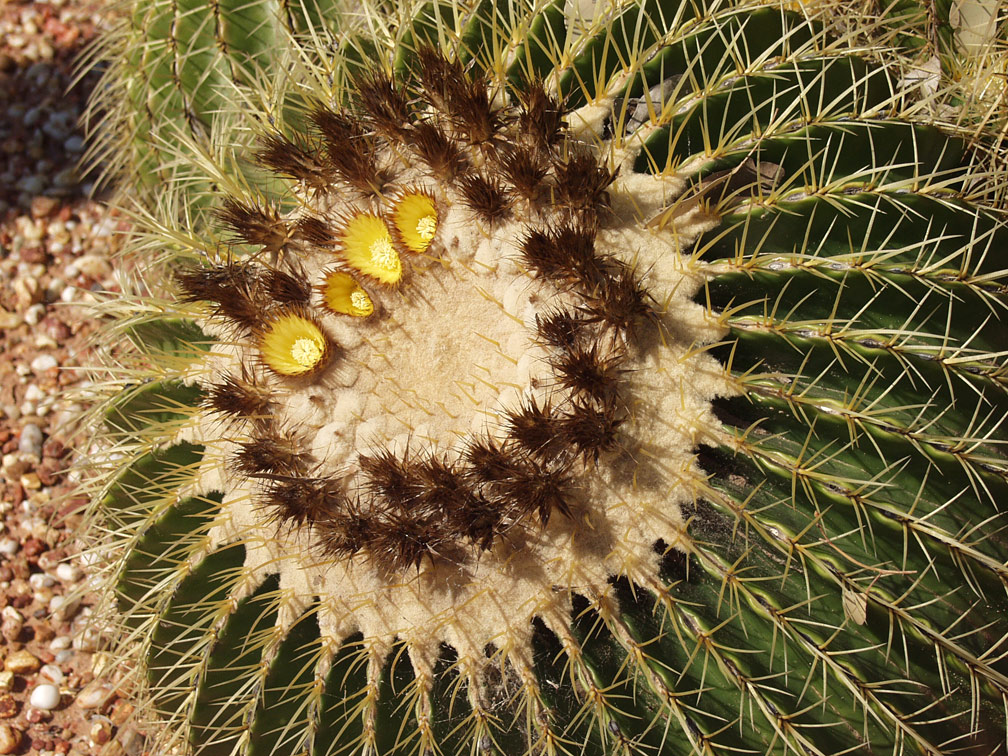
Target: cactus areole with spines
x=541 y=383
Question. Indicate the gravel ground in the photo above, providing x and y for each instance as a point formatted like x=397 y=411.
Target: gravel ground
x=58 y=688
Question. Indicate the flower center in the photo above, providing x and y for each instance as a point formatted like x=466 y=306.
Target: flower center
x=360 y=301
x=426 y=227
x=306 y=352
x=383 y=254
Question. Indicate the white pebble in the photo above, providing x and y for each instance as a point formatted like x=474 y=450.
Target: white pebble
x=60 y=642
x=40 y=580
x=64 y=655
x=9 y=546
x=43 y=362
x=34 y=314
x=68 y=573
x=33 y=393
x=52 y=673
x=30 y=441
x=69 y=294
x=45 y=697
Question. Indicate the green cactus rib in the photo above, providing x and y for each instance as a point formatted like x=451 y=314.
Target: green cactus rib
x=846 y=582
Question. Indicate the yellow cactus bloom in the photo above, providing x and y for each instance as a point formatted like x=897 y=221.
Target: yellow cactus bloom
x=415 y=220
x=292 y=344
x=367 y=247
x=342 y=294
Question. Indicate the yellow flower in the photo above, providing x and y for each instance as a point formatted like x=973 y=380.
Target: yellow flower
x=368 y=247
x=342 y=294
x=293 y=344
x=415 y=220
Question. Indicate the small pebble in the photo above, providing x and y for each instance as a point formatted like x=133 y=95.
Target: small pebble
x=93 y=696
x=68 y=572
x=40 y=580
x=9 y=546
x=100 y=732
x=6 y=680
x=63 y=608
x=34 y=314
x=10 y=738
x=22 y=662
x=30 y=441
x=60 y=642
x=52 y=673
x=45 y=697
x=43 y=362
x=11 y=623
x=63 y=656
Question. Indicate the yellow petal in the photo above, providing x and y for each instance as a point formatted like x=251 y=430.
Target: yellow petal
x=367 y=247
x=415 y=218
x=342 y=294
x=293 y=345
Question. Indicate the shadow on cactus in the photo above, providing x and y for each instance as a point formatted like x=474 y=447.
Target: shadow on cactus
x=550 y=384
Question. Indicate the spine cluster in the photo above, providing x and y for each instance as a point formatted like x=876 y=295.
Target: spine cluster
x=501 y=162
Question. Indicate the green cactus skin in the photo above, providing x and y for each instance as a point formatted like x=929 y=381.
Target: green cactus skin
x=840 y=583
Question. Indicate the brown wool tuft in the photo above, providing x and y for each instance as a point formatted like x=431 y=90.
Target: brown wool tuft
x=271 y=454
x=385 y=103
x=525 y=170
x=582 y=184
x=295 y=502
x=234 y=288
x=350 y=151
x=257 y=225
x=486 y=196
x=347 y=530
x=288 y=289
x=622 y=303
x=534 y=427
x=389 y=478
x=591 y=429
x=295 y=158
x=540 y=115
x=404 y=539
x=582 y=369
x=316 y=231
x=240 y=397
x=560 y=328
x=434 y=147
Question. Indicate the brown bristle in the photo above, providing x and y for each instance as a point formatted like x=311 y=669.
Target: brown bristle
x=479 y=520
x=304 y=501
x=534 y=428
x=385 y=103
x=287 y=289
x=541 y=490
x=565 y=254
x=261 y=226
x=591 y=429
x=390 y=478
x=234 y=288
x=441 y=486
x=582 y=184
x=472 y=112
x=295 y=158
x=487 y=461
x=583 y=369
x=621 y=302
x=271 y=454
x=440 y=78
x=315 y=231
x=350 y=151
x=559 y=328
x=486 y=196
x=442 y=155
x=525 y=170
x=540 y=115
x=405 y=538
x=240 y=397
x=347 y=530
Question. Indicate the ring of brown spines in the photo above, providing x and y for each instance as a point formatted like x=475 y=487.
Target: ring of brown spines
x=410 y=509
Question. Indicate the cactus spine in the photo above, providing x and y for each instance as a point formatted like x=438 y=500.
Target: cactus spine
x=530 y=381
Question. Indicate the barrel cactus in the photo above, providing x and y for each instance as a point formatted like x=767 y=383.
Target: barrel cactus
x=534 y=378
